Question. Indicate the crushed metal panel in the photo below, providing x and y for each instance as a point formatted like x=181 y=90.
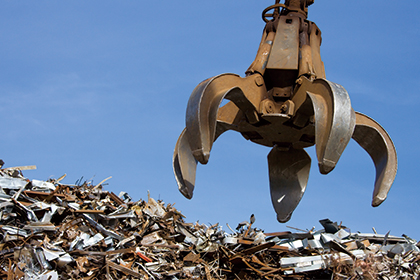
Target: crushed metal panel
x=12 y=183
x=42 y=185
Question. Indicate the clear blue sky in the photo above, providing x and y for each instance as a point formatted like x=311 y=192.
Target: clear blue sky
x=99 y=88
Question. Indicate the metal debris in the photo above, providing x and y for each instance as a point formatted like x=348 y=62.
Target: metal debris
x=49 y=230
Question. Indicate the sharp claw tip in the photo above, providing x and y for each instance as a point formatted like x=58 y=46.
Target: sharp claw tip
x=326 y=167
x=186 y=193
x=202 y=157
x=377 y=201
x=283 y=219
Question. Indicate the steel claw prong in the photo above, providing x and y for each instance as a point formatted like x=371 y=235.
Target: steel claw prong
x=376 y=142
x=288 y=173
x=203 y=107
x=184 y=165
x=334 y=119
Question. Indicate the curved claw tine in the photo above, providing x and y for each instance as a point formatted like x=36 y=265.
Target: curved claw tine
x=184 y=165
x=289 y=173
x=203 y=106
x=377 y=143
x=334 y=122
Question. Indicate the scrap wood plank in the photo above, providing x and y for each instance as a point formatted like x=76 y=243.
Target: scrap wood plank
x=100 y=183
x=26 y=167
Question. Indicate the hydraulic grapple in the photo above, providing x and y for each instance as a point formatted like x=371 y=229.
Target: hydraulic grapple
x=284 y=102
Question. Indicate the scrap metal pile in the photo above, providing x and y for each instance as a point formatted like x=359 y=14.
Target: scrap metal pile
x=49 y=230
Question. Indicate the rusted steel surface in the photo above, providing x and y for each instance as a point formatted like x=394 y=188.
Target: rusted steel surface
x=284 y=102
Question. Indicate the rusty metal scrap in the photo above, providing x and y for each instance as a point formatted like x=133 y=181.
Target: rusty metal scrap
x=49 y=230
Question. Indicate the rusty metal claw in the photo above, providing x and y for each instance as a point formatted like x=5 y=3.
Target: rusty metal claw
x=203 y=107
x=289 y=173
x=284 y=102
x=377 y=143
x=185 y=166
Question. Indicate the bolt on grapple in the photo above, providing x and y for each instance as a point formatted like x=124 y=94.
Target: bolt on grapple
x=284 y=102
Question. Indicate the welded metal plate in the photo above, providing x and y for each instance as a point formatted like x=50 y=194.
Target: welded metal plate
x=285 y=51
